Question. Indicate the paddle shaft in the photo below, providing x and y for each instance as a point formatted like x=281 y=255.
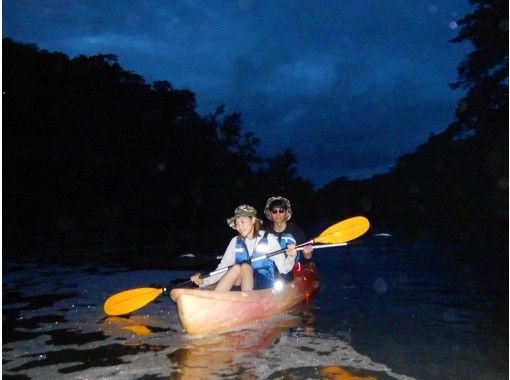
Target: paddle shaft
x=336 y=235
x=299 y=247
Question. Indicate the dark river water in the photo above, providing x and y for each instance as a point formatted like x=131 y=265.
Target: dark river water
x=384 y=310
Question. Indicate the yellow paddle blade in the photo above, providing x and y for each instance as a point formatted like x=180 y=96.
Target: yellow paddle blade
x=130 y=300
x=346 y=230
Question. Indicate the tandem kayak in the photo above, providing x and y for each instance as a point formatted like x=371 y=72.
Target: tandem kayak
x=202 y=312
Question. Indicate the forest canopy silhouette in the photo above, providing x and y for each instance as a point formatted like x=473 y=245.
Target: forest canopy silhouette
x=92 y=148
x=95 y=156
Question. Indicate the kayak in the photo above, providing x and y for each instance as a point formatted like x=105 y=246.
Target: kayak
x=202 y=312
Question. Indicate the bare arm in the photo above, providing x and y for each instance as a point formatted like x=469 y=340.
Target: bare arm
x=227 y=260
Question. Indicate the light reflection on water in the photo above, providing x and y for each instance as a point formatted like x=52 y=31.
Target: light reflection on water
x=384 y=311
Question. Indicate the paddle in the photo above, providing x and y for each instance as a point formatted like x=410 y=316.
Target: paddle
x=338 y=234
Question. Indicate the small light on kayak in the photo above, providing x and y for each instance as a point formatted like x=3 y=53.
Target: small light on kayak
x=278 y=285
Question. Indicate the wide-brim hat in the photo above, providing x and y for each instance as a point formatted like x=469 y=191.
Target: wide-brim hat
x=242 y=211
x=270 y=201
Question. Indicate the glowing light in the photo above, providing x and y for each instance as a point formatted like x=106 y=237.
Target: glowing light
x=278 y=285
x=380 y=286
x=452 y=25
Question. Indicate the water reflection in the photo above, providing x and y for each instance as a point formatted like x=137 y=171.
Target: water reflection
x=53 y=324
x=337 y=373
x=55 y=334
x=134 y=324
x=329 y=373
x=138 y=327
x=249 y=352
x=218 y=355
x=215 y=355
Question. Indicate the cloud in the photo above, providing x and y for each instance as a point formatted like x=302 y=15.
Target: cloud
x=349 y=86
x=362 y=121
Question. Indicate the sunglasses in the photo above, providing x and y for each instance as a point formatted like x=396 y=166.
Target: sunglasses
x=278 y=211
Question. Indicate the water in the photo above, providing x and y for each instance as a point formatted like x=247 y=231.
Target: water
x=384 y=311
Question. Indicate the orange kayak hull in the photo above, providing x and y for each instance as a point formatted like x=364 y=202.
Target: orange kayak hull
x=202 y=312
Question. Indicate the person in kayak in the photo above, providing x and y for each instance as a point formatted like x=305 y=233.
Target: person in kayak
x=251 y=242
x=279 y=211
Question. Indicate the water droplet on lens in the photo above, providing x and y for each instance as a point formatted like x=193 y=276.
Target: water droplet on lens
x=380 y=286
x=433 y=8
x=450 y=315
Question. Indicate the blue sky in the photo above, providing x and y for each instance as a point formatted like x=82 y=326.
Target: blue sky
x=349 y=86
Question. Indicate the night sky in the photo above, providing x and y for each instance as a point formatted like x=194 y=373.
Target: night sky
x=349 y=86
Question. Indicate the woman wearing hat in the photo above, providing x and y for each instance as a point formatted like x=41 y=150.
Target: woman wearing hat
x=250 y=242
x=278 y=211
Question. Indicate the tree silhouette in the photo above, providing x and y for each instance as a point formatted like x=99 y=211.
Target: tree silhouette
x=93 y=155
x=456 y=183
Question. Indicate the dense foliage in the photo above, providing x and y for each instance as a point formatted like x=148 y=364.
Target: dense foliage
x=93 y=153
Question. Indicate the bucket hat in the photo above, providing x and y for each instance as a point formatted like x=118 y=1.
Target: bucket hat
x=242 y=211
x=269 y=205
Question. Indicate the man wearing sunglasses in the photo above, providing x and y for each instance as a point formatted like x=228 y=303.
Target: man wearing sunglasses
x=278 y=211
